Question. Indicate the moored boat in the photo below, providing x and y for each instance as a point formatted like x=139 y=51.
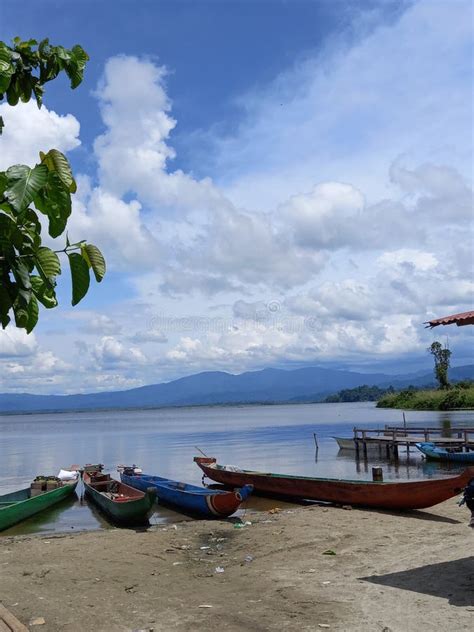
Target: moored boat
x=44 y=492
x=431 y=451
x=397 y=495
x=123 y=504
x=209 y=503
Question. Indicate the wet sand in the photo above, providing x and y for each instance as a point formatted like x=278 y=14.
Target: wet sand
x=304 y=568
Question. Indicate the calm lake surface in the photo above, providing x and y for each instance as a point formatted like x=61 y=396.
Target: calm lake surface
x=163 y=442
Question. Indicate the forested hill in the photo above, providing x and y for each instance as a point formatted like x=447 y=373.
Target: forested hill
x=214 y=388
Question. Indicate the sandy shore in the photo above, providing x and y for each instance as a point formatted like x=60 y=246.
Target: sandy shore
x=390 y=572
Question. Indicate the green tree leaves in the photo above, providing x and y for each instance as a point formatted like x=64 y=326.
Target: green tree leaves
x=20 y=62
x=29 y=270
x=56 y=161
x=48 y=264
x=442 y=361
x=79 y=276
x=23 y=184
x=95 y=260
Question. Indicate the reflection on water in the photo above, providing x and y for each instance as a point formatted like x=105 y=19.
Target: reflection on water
x=163 y=442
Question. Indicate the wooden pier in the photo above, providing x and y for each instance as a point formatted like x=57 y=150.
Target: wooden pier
x=392 y=438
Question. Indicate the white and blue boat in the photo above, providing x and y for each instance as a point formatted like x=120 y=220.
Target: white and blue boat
x=435 y=453
x=191 y=499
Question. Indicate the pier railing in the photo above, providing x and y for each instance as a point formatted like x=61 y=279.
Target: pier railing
x=463 y=434
x=393 y=437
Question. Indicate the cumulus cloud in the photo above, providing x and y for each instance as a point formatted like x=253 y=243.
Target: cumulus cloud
x=117 y=226
x=110 y=352
x=43 y=370
x=29 y=130
x=16 y=343
x=133 y=153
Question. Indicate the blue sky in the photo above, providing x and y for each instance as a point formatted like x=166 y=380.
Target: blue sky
x=272 y=183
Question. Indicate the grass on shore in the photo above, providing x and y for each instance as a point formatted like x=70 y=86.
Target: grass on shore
x=456 y=397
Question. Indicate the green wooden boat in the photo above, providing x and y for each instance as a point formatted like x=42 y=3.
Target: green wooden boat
x=123 y=504
x=20 y=505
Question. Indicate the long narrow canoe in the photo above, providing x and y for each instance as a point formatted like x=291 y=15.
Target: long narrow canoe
x=431 y=451
x=121 y=503
x=20 y=505
x=384 y=495
x=210 y=503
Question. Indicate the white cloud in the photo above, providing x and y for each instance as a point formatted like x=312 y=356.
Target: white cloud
x=133 y=152
x=16 y=343
x=29 y=130
x=110 y=352
x=116 y=227
x=149 y=336
x=328 y=217
x=344 y=113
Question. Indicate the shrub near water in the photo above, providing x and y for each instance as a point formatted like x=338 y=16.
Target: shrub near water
x=461 y=396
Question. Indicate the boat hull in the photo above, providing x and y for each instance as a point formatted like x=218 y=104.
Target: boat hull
x=190 y=498
x=23 y=506
x=438 y=454
x=133 y=511
x=381 y=495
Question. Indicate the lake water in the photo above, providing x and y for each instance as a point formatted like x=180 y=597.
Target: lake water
x=163 y=442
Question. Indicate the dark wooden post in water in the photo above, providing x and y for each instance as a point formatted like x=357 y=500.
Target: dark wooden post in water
x=377 y=474
x=356 y=441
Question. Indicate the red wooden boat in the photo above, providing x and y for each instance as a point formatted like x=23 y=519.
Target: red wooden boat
x=381 y=495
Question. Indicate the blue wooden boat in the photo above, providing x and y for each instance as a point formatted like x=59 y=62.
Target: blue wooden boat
x=208 y=503
x=435 y=453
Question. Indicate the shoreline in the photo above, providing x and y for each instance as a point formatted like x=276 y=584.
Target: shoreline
x=305 y=568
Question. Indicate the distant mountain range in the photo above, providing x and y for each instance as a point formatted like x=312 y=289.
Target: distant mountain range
x=214 y=388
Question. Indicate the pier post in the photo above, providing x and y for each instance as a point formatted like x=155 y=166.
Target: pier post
x=377 y=474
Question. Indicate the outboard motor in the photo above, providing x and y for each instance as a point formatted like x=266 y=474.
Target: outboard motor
x=468 y=499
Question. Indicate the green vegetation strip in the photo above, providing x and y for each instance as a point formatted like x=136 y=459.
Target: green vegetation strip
x=459 y=396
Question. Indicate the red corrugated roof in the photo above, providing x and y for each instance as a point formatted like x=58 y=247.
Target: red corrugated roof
x=466 y=318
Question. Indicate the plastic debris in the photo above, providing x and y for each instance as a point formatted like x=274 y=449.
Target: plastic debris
x=37 y=621
x=241 y=525
x=177 y=563
x=219 y=569
x=325 y=583
x=329 y=552
x=249 y=558
x=204 y=548
x=205 y=605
